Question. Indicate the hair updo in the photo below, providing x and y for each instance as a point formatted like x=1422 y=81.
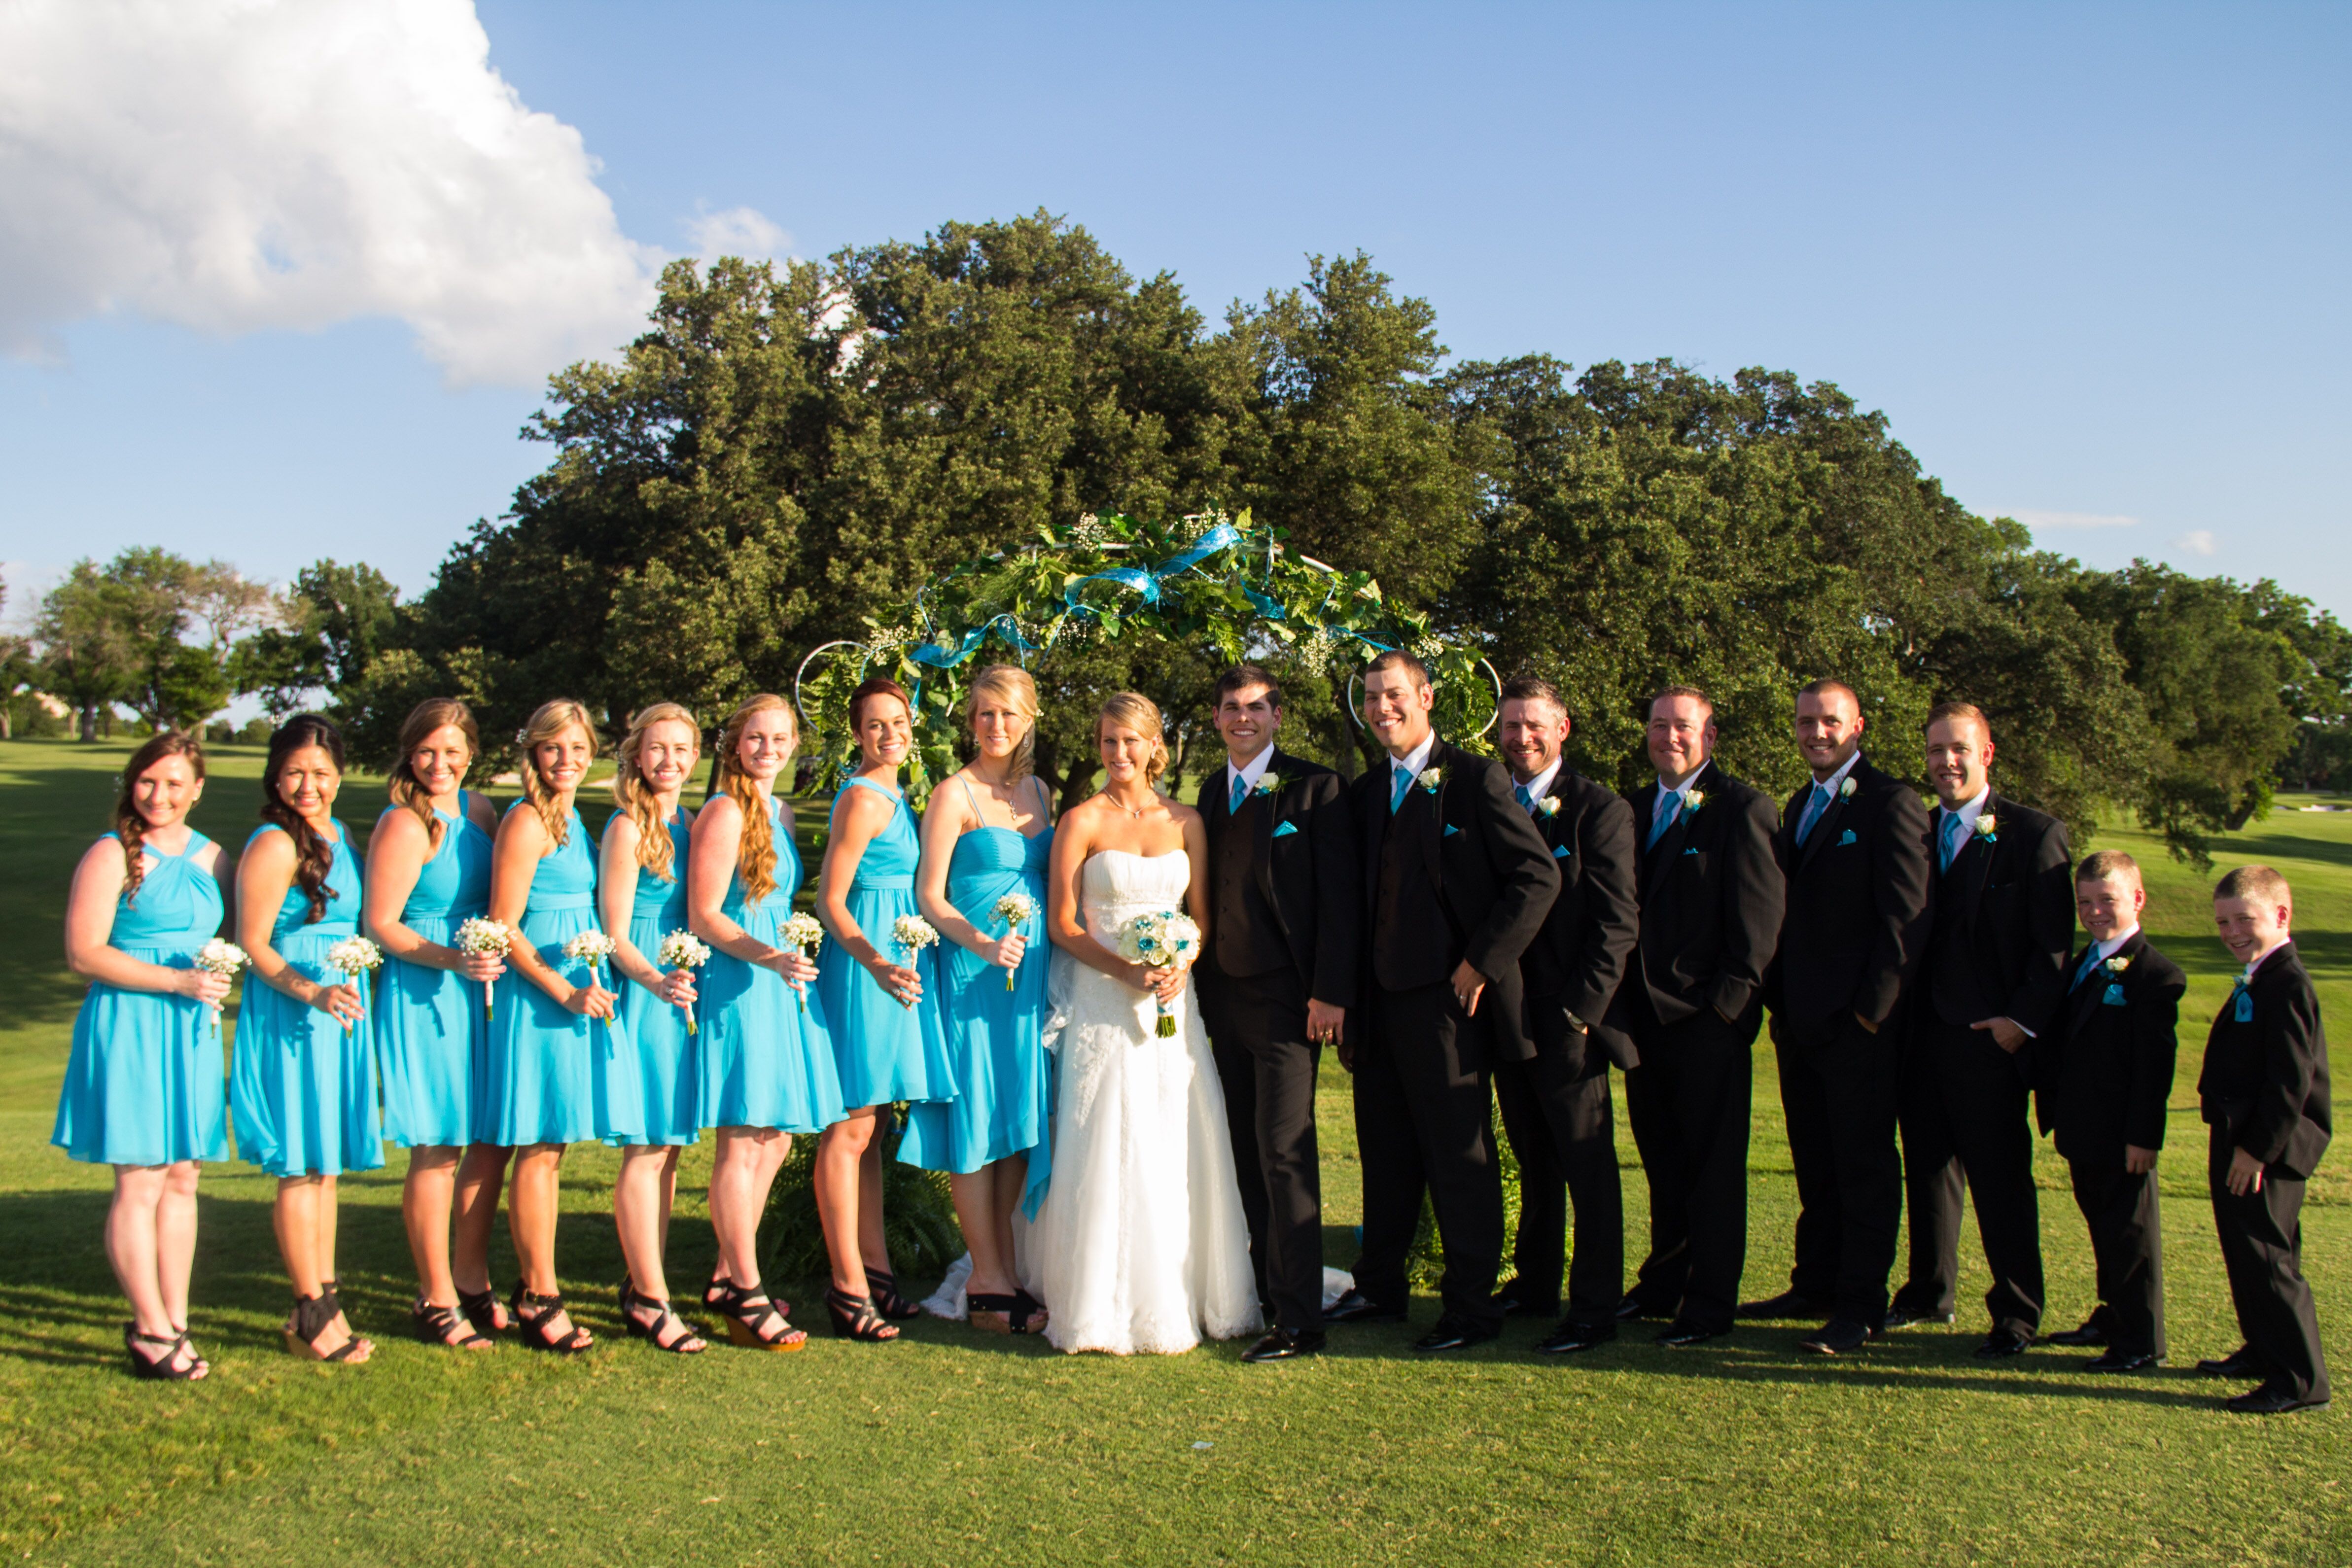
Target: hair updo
x=1133 y=710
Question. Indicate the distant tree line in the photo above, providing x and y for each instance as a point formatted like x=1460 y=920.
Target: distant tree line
x=788 y=453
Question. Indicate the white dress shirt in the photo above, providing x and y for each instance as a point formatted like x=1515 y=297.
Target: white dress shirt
x=1674 y=792
x=1249 y=772
x=1537 y=786
x=1411 y=766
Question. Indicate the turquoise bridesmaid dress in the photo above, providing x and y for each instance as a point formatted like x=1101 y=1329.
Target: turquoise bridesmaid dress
x=430 y=1029
x=301 y=1087
x=551 y=1075
x=995 y=1038
x=883 y=1050
x=669 y=1086
x=143 y=1085
x=766 y=1063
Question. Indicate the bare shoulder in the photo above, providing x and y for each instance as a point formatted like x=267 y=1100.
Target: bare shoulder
x=719 y=812
x=397 y=832
x=104 y=861
x=1184 y=816
x=857 y=808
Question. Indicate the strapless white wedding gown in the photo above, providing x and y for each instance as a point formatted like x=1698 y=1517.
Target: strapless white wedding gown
x=1141 y=1245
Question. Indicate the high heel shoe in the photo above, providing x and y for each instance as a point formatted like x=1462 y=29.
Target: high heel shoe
x=532 y=1312
x=685 y=1342
x=853 y=1317
x=882 y=1288
x=163 y=1368
x=748 y=1312
x=446 y=1326
x=481 y=1310
x=313 y=1316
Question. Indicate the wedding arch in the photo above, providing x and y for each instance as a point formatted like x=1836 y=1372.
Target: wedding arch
x=1208 y=580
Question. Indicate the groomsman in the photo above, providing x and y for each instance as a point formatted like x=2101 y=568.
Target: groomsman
x=2264 y=1092
x=1555 y=1104
x=1853 y=845
x=2105 y=1096
x=1455 y=883
x=1275 y=983
x=1693 y=998
x=1994 y=977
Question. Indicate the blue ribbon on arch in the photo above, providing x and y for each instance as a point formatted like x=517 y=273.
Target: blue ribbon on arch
x=931 y=655
x=1145 y=584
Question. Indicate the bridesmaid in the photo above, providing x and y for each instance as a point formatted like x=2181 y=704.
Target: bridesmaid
x=989 y=831
x=767 y=1064
x=641 y=891
x=886 y=1033
x=428 y=872
x=302 y=1087
x=142 y=1089
x=559 y=1068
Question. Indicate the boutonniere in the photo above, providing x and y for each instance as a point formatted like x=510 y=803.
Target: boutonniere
x=1845 y=789
x=2118 y=964
x=1430 y=778
x=1269 y=785
x=1549 y=805
x=1987 y=829
x=1693 y=801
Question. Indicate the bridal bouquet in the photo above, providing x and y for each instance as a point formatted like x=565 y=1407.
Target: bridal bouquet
x=591 y=947
x=1163 y=940
x=1015 y=909
x=222 y=958
x=801 y=933
x=356 y=957
x=683 y=950
x=485 y=938
x=912 y=933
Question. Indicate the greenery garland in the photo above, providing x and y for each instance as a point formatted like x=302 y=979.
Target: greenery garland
x=1205 y=580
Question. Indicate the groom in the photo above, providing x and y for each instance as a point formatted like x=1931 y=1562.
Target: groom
x=1456 y=884
x=1275 y=983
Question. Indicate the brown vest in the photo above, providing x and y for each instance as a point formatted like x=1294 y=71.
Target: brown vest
x=1248 y=936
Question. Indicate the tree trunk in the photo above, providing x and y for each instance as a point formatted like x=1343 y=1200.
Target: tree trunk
x=89 y=722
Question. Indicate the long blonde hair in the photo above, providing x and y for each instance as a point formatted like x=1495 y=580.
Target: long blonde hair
x=1133 y=710
x=1011 y=683
x=404 y=787
x=635 y=794
x=551 y=718
x=755 y=858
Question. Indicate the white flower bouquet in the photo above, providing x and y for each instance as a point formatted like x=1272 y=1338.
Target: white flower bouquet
x=683 y=950
x=594 y=948
x=912 y=933
x=1161 y=940
x=802 y=933
x=356 y=957
x=222 y=958
x=1014 y=909
x=482 y=937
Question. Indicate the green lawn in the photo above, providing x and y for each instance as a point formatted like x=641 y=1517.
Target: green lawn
x=953 y=1448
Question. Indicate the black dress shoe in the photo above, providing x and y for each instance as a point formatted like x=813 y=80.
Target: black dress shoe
x=1903 y=1318
x=1356 y=1307
x=2120 y=1361
x=1456 y=1333
x=1634 y=1307
x=1681 y=1336
x=2002 y=1344
x=2240 y=1363
x=1513 y=1300
x=1570 y=1337
x=1787 y=1304
x=1282 y=1344
x=2093 y=1333
x=2271 y=1399
x=1839 y=1336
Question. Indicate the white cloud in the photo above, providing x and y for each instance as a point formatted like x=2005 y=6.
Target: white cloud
x=2198 y=542
x=2039 y=521
x=738 y=230
x=244 y=165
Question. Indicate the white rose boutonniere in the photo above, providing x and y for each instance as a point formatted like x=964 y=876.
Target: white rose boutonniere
x=2118 y=964
x=1987 y=829
x=1270 y=785
x=1845 y=789
x=1693 y=801
x=1549 y=805
x=1431 y=777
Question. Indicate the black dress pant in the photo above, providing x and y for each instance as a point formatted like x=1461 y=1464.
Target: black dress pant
x=1688 y=1103
x=1425 y=1124
x=1257 y=1029
x=1837 y=1094
x=1963 y=1113
x=1556 y=1114
x=2262 y=1248
x=2126 y=1249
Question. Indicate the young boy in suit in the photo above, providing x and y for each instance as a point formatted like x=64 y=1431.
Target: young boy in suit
x=2105 y=1099
x=2264 y=1091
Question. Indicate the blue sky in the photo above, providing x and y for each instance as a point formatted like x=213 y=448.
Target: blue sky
x=2090 y=260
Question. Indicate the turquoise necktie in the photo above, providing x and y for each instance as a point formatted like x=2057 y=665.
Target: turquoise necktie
x=1813 y=810
x=2090 y=962
x=1399 y=782
x=1240 y=793
x=1663 y=814
x=1527 y=802
x=1951 y=838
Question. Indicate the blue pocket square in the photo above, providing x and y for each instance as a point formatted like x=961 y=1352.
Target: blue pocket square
x=1451 y=829
x=1561 y=853
x=2114 y=998
x=1690 y=851
x=1847 y=838
x=1282 y=828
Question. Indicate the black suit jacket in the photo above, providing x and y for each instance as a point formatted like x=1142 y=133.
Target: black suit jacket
x=2003 y=922
x=1711 y=898
x=1478 y=894
x=1856 y=926
x=2108 y=1060
x=1577 y=960
x=2265 y=1079
x=1309 y=876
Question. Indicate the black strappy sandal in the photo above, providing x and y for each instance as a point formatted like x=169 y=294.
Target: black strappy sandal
x=685 y=1342
x=314 y=1315
x=855 y=1317
x=163 y=1368
x=531 y=1312
x=481 y=1310
x=446 y=1326
x=1021 y=1313
x=198 y=1363
x=882 y=1289
x=715 y=1293
x=747 y=1310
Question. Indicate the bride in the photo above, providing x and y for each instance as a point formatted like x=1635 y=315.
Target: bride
x=1140 y=1244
